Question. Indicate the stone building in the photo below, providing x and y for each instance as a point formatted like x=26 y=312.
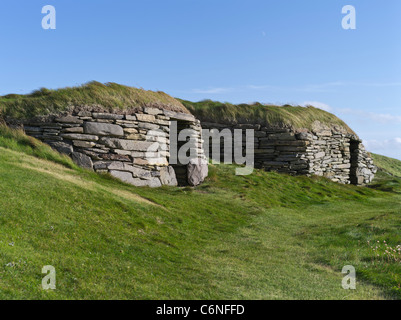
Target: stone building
x=138 y=144
x=330 y=151
x=132 y=146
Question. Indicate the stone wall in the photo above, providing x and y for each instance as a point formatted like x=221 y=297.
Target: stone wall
x=325 y=151
x=134 y=148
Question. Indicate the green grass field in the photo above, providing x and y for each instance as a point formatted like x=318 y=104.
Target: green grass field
x=263 y=236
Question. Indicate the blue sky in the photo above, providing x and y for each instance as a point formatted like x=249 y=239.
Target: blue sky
x=282 y=51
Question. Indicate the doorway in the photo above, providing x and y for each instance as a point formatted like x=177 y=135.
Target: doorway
x=354 y=150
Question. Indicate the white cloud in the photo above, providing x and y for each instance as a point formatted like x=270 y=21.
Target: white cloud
x=383 y=144
x=329 y=86
x=388 y=147
x=261 y=87
x=317 y=104
x=213 y=90
x=382 y=118
x=320 y=87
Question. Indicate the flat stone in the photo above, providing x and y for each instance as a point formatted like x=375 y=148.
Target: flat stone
x=74 y=130
x=153 y=111
x=82 y=160
x=167 y=176
x=154 y=183
x=84 y=114
x=145 y=117
x=128 y=178
x=69 y=119
x=123 y=176
x=148 y=126
x=324 y=133
x=101 y=165
x=304 y=136
x=245 y=126
x=130 y=117
x=290 y=148
x=103 y=129
x=135 y=136
x=72 y=136
x=109 y=116
x=264 y=151
x=136 y=171
x=33 y=129
x=342 y=166
x=130 y=130
x=124 y=152
x=282 y=136
x=115 y=157
x=179 y=116
x=127 y=144
x=156 y=161
x=320 y=155
x=83 y=144
x=258 y=134
x=62 y=147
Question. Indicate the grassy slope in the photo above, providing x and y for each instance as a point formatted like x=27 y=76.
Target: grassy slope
x=389 y=165
x=297 y=117
x=264 y=236
x=110 y=96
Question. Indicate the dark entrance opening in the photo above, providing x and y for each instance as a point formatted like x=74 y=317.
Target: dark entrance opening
x=181 y=171
x=354 y=150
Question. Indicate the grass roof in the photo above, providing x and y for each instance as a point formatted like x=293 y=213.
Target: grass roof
x=113 y=97
x=110 y=96
x=296 y=117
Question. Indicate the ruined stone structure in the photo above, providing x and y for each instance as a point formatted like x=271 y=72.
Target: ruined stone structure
x=139 y=144
x=135 y=147
x=332 y=152
x=132 y=146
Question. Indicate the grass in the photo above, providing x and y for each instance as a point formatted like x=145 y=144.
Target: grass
x=268 y=115
x=18 y=141
x=386 y=164
x=109 y=96
x=114 y=97
x=263 y=236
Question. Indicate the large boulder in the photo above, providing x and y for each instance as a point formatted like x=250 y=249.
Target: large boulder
x=197 y=171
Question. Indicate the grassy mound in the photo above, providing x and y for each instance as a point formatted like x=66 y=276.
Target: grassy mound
x=262 y=236
x=386 y=164
x=270 y=115
x=110 y=96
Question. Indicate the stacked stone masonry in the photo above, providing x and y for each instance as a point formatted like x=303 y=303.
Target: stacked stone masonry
x=331 y=152
x=134 y=148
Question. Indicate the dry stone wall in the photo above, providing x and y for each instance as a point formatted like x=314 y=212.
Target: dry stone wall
x=325 y=151
x=134 y=148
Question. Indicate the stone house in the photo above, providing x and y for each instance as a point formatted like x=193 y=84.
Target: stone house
x=330 y=151
x=132 y=146
x=138 y=144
